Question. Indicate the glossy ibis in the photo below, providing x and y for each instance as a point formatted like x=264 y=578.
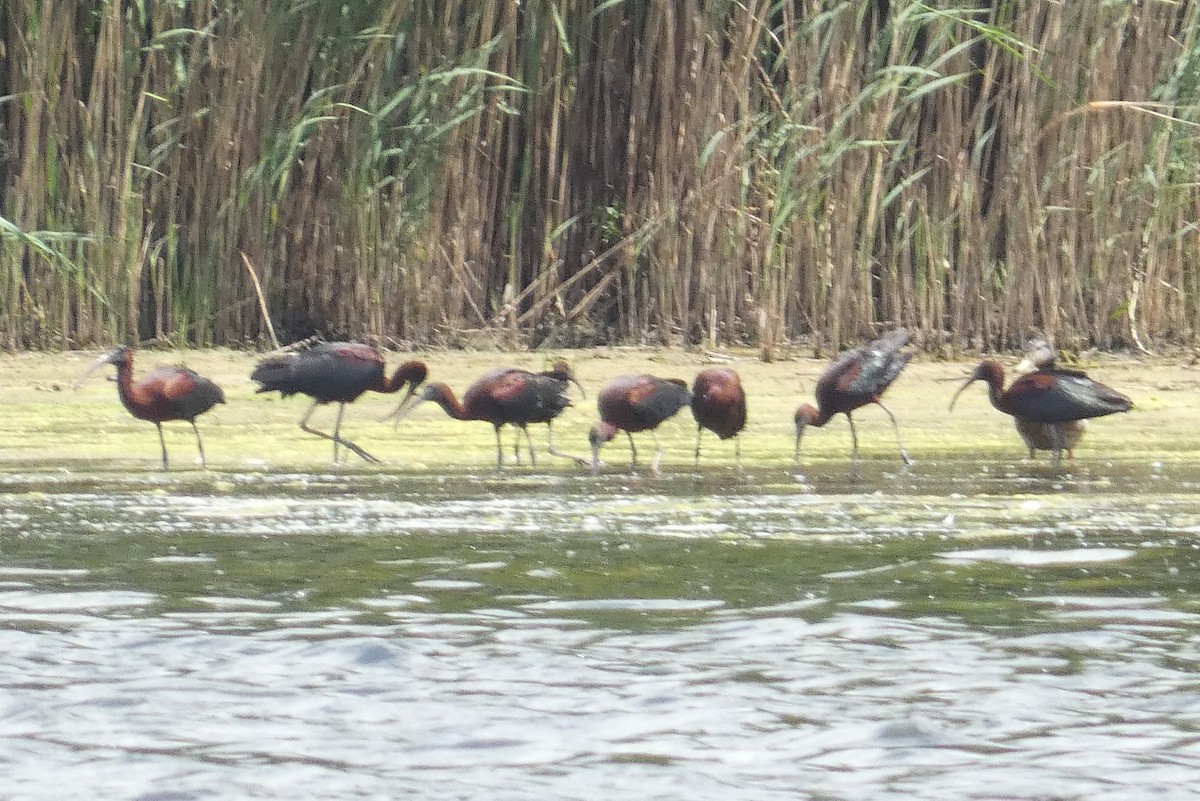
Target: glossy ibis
x=161 y=395
x=719 y=404
x=1050 y=397
x=1039 y=357
x=335 y=372
x=634 y=403
x=856 y=378
x=507 y=396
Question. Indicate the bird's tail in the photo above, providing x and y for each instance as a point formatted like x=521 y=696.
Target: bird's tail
x=274 y=373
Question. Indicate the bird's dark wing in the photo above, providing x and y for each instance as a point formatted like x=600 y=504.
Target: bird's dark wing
x=336 y=371
x=1064 y=371
x=860 y=375
x=718 y=402
x=1050 y=397
x=653 y=400
x=525 y=397
x=185 y=391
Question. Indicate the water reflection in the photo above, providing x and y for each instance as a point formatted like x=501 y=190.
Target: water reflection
x=378 y=635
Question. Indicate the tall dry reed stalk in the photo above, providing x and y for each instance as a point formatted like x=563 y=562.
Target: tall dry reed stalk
x=566 y=171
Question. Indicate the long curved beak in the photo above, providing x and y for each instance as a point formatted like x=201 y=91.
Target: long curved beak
x=799 y=434
x=595 y=459
x=970 y=381
x=410 y=402
x=582 y=392
x=91 y=368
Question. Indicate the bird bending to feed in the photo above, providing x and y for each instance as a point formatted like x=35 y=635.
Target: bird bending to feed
x=856 y=378
x=719 y=404
x=507 y=396
x=1050 y=397
x=1039 y=357
x=633 y=403
x=161 y=395
x=335 y=372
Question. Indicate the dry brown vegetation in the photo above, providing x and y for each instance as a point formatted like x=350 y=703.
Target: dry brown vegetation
x=566 y=172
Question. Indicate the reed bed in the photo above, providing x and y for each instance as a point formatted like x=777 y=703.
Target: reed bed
x=564 y=172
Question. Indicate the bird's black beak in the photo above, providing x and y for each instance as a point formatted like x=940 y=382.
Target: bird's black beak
x=410 y=402
x=582 y=392
x=968 y=383
x=105 y=358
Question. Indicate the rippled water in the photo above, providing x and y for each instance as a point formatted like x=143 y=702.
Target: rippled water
x=953 y=631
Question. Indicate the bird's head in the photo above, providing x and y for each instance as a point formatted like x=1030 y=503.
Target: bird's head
x=1038 y=356
x=561 y=371
x=436 y=392
x=411 y=373
x=121 y=354
x=805 y=416
x=989 y=372
x=601 y=433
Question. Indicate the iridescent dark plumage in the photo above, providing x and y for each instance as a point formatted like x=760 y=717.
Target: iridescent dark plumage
x=856 y=378
x=162 y=395
x=635 y=403
x=1039 y=357
x=335 y=372
x=1051 y=397
x=507 y=396
x=719 y=404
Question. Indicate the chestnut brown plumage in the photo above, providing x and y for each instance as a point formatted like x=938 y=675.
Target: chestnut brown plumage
x=856 y=378
x=161 y=395
x=1039 y=357
x=507 y=396
x=634 y=403
x=1054 y=398
x=719 y=404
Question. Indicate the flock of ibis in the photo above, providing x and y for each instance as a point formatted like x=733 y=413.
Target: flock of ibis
x=1050 y=405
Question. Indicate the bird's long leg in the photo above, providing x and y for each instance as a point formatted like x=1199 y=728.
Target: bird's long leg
x=658 y=452
x=499 y=450
x=517 y=447
x=699 y=429
x=337 y=430
x=555 y=452
x=633 y=451
x=737 y=451
x=162 y=442
x=200 y=445
x=529 y=442
x=1056 y=443
x=854 y=440
x=335 y=437
x=903 y=453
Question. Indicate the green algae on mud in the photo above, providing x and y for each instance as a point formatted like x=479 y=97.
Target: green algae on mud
x=47 y=423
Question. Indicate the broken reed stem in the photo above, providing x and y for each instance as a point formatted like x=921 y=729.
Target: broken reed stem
x=262 y=301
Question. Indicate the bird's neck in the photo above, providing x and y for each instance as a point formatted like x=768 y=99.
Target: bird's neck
x=996 y=394
x=125 y=388
x=451 y=406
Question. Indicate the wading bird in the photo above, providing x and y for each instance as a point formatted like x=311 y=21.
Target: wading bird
x=507 y=396
x=634 y=403
x=1052 y=398
x=335 y=372
x=161 y=395
x=1039 y=357
x=856 y=378
x=719 y=404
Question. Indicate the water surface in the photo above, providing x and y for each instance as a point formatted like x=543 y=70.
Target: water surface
x=957 y=630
